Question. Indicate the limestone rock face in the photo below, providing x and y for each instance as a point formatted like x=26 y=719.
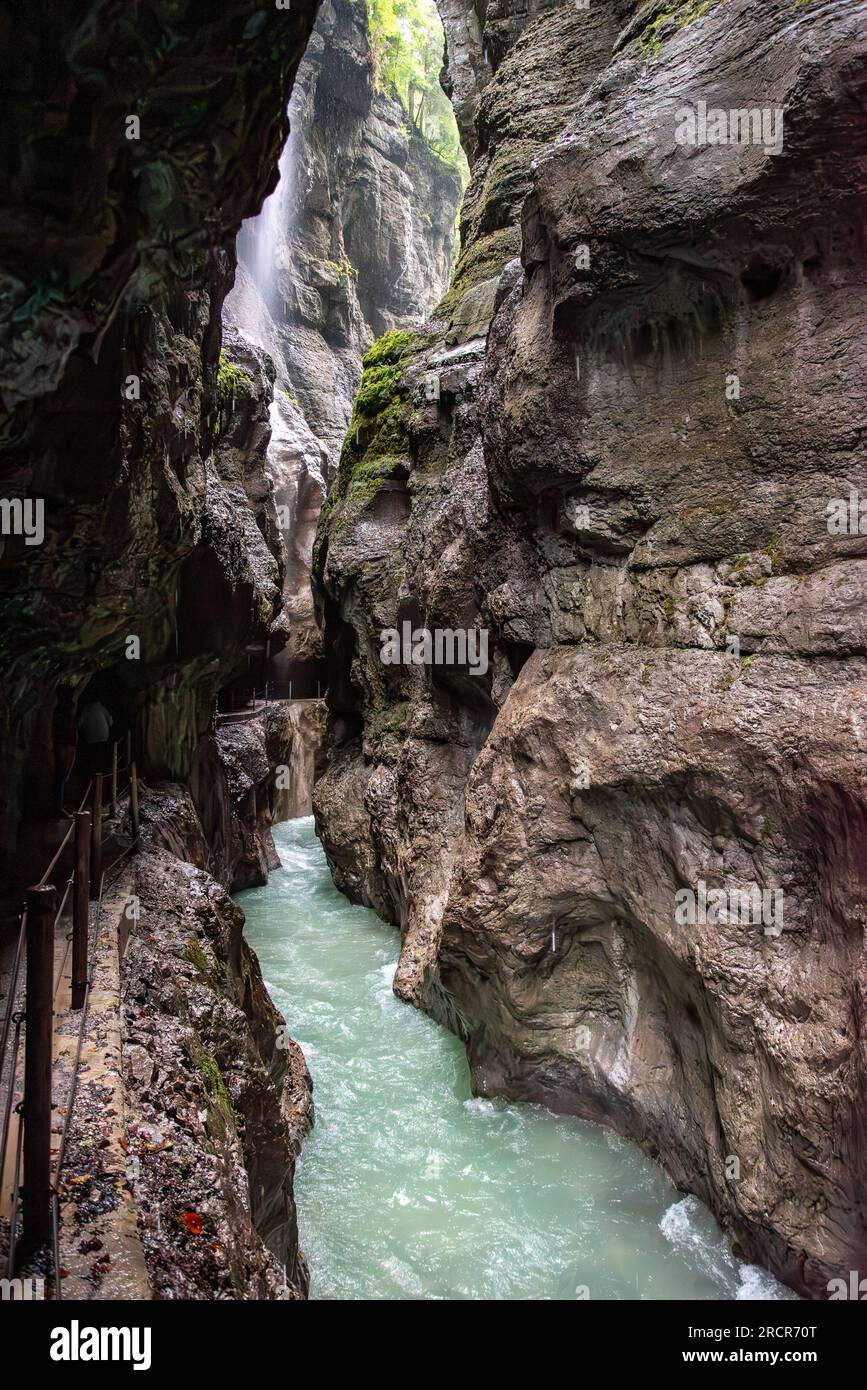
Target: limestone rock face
x=615 y=451
x=357 y=240
x=365 y=222
x=109 y=194
x=264 y=771
x=614 y=778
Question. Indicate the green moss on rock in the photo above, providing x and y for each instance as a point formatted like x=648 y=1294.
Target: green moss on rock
x=481 y=260
x=197 y=958
x=378 y=434
x=220 y=1114
x=231 y=381
x=390 y=348
x=232 y=384
x=666 y=18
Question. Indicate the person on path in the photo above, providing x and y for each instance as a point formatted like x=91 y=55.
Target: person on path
x=94 y=728
x=63 y=739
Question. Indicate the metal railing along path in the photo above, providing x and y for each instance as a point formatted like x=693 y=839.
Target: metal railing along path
x=39 y=983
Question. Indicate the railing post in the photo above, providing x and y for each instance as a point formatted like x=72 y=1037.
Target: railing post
x=96 y=837
x=41 y=910
x=114 y=778
x=133 y=801
x=80 y=908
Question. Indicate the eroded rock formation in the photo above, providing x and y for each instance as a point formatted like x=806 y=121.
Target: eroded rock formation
x=613 y=449
x=217 y=1095
x=358 y=239
x=117 y=253
x=138 y=138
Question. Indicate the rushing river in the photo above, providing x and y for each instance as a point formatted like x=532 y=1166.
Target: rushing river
x=408 y=1186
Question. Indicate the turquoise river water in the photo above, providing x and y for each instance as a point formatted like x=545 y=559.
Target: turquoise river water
x=408 y=1187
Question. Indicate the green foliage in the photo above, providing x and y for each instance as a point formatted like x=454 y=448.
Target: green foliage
x=344 y=270
x=406 y=40
x=391 y=347
x=383 y=370
x=376 y=390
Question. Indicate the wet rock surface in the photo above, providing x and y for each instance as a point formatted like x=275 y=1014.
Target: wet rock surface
x=613 y=450
x=138 y=141
x=269 y=763
x=218 y=1097
x=367 y=222
x=119 y=415
x=575 y=984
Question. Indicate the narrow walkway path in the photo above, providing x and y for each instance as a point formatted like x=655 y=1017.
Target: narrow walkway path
x=240 y=716
x=101 y=1254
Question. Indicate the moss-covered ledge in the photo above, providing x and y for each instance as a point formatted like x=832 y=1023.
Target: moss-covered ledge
x=377 y=441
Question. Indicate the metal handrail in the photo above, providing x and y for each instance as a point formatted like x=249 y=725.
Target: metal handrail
x=61 y=1150
x=11 y=1015
x=55 y=1243
x=7 y=1108
x=60 y=848
x=16 y=1201
x=58 y=915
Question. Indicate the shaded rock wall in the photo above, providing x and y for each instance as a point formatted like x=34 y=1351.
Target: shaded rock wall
x=116 y=255
x=267 y=765
x=136 y=140
x=293 y=790
x=366 y=222
x=648 y=368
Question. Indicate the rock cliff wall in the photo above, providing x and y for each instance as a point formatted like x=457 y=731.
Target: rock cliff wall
x=160 y=554
x=137 y=139
x=357 y=239
x=613 y=450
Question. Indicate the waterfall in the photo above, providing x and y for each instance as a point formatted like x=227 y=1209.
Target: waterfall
x=262 y=242
x=267 y=278
x=264 y=239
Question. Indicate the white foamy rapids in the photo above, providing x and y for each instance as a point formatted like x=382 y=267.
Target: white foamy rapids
x=482 y=1107
x=690 y=1229
x=383 y=984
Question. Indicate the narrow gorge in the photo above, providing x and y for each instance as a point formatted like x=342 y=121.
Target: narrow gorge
x=432 y=454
